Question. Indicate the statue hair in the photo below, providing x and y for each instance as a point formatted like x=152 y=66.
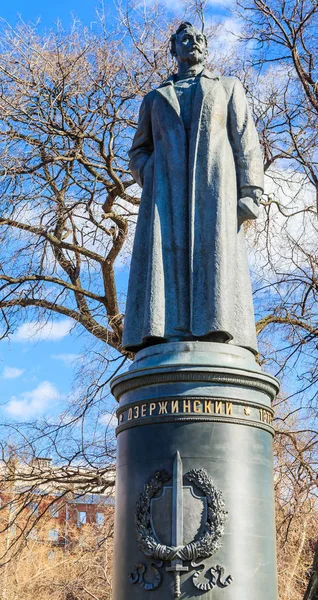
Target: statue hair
x=184 y=25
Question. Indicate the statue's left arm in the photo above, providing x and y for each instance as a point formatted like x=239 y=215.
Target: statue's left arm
x=247 y=152
x=142 y=146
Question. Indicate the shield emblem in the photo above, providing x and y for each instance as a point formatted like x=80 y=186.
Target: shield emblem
x=194 y=515
x=180 y=524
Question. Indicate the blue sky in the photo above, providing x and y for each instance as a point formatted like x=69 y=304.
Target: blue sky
x=50 y=12
x=37 y=368
x=85 y=10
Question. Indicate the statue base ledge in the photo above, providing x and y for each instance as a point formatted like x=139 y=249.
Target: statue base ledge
x=194 y=361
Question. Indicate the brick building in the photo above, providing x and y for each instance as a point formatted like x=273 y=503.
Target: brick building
x=40 y=496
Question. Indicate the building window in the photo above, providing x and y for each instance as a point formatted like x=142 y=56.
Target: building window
x=34 y=508
x=54 y=511
x=100 y=518
x=43 y=463
x=53 y=535
x=81 y=518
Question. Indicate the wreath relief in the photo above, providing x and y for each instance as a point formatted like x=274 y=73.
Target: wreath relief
x=206 y=544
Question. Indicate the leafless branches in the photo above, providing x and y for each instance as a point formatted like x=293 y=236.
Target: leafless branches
x=68 y=110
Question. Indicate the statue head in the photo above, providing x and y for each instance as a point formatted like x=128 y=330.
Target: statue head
x=188 y=44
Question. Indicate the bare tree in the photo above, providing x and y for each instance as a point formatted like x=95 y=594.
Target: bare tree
x=312 y=589
x=57 y=558
x=296 y=505
x=281 y=75
x=68 y=110
x=284 y=36
x=279 y=69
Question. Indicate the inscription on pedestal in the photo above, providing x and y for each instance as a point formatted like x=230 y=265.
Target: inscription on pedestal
x=214 y=409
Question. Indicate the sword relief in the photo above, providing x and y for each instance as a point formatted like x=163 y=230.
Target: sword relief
x=175 y=548
x=177 y=523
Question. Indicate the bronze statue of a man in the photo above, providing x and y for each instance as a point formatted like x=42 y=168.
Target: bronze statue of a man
x=196 y=154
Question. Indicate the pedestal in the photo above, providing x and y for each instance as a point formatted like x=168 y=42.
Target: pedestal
x=194 y=491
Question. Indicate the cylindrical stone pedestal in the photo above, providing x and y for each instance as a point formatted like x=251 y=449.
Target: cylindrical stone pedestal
x=194 y=491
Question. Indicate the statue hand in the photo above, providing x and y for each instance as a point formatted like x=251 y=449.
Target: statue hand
x=248 y=204
x=247 y=208
x=250 y=191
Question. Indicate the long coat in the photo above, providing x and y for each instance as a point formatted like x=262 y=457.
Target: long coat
x=189 y=274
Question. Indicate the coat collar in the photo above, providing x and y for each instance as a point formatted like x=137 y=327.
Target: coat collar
x=204 y=73
x=166 y=89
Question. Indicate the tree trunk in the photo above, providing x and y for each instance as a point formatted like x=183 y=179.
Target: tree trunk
x=312 y=590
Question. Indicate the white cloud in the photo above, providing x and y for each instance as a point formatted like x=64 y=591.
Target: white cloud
x=173 y=5
x=222 y=3
x=29 y=405
x=178 y=6
x=278 y=241
x=67 y=358
x=35 y=331
x=225 y=40
x=109 y=420
x=231 y=29
x=11 y=372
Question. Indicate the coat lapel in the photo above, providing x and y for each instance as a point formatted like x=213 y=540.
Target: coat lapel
x=168 y=92
x=205 y=86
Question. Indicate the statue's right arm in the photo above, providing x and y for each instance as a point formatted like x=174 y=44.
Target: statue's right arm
x=142 y=146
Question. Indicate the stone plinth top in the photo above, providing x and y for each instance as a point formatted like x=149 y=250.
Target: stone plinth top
x=196 y=362
x=209 y=354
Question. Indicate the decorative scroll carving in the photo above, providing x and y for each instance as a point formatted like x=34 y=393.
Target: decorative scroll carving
x=138 y=576
x=216 y=574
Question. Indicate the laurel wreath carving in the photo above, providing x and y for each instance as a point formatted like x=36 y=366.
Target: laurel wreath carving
x=209 y=540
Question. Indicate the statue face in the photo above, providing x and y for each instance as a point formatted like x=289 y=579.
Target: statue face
x=190 y=46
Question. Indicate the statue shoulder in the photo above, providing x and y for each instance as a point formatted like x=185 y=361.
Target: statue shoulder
x=149 y=97
x=230 y=83
x=146 y=105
